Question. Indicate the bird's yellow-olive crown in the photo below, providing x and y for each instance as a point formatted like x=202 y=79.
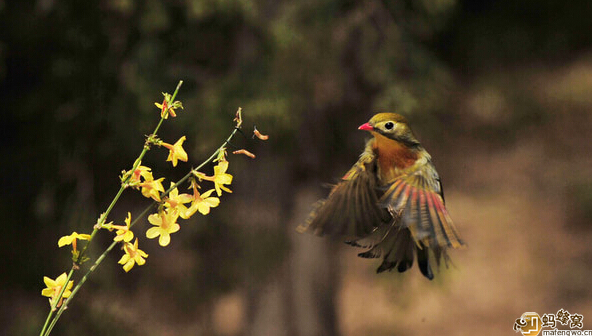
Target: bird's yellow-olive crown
x=393 y=126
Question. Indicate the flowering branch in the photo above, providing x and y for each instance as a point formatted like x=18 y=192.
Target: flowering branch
x=171 y=206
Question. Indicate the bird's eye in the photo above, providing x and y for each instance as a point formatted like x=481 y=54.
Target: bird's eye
x=389 y=125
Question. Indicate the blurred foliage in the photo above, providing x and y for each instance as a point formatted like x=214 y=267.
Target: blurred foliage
x=483 y=35
x=78 y=80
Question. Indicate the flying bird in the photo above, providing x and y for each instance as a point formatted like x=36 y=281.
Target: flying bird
x=390 y=202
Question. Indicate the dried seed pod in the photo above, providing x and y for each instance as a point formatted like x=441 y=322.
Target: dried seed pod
x=244 y=152
x=259 y=135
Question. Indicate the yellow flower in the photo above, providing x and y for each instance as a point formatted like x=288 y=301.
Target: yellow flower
x=167 y=108
x=133 y=255
x=174 y=201
x=54 y=287
x=142 y=171
x=176 y=151
x=165 y=224
x=221 y=178
x=151 y=188
x=201 y=203
x=71 y=239
x=123 y=233
x=163 y=109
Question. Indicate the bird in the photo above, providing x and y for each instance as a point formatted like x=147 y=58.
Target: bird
x=390 y=202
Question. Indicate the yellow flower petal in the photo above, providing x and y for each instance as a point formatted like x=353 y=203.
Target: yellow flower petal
x=124 y=259
x=128 y=266
x=164 y=239
x=152 y=232
x=61 y=279
x=49 y=282
x=65 y=240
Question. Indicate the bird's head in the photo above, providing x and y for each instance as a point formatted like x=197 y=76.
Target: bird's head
x=391 y=125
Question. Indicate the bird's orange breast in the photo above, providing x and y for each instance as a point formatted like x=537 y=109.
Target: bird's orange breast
x=393 y=157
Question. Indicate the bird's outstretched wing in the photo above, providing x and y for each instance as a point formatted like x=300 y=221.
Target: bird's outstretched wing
x=418 y=199
x=421 y=223
x=350 y=211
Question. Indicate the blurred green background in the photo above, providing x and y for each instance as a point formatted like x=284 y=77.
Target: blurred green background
x=499 y=92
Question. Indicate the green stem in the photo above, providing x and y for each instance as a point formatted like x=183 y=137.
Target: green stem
x=55 y=303
x=123 y=184
x=92 y=269
x=176 y=90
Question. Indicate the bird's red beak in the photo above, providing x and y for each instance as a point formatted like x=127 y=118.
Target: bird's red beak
x=366 y=127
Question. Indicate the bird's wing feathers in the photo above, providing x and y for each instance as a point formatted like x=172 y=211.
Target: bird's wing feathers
x=417 y=197
x=420 y=223
x=351 y=209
